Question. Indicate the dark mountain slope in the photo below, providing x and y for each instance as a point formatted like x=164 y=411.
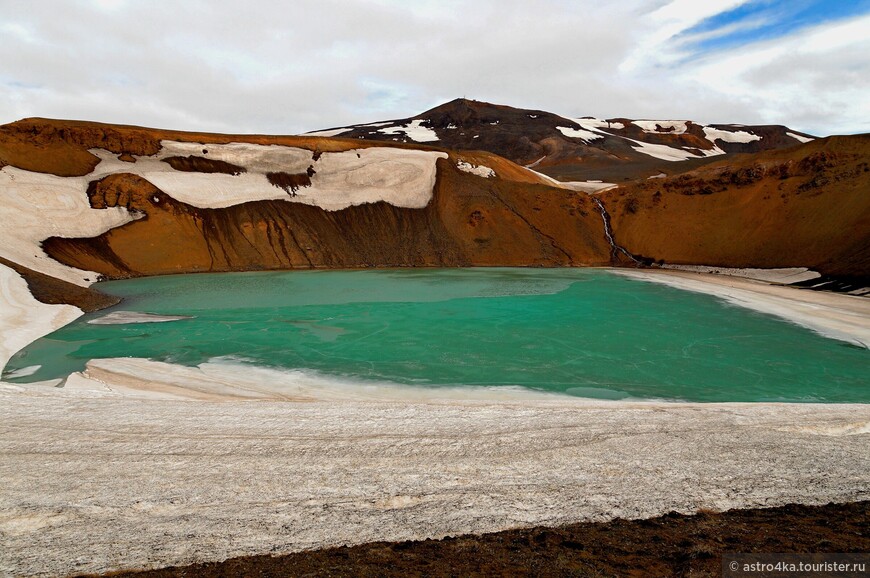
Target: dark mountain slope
x=575 y=148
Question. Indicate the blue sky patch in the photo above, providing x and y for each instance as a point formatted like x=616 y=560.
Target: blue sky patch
x=759 y=20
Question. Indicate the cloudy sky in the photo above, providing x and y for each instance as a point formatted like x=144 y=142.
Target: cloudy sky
x=276 y=66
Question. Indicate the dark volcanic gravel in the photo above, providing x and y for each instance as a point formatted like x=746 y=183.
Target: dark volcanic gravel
x=671 y=545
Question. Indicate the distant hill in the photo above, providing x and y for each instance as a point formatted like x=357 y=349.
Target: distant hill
x=575 y=149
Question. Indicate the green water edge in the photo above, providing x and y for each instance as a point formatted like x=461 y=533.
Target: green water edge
x=582 y=332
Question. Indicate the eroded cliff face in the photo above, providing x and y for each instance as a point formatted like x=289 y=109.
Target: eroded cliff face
x=805 y=207
x=470 y=221
x=199 y=202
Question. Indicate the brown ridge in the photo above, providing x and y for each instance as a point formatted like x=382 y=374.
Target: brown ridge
x=807 y=206
x=669 y=545
x=60 y=147
x=54 y=291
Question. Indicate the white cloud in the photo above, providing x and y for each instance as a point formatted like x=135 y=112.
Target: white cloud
x=817 y=79
x=282 y=67
x=656 y=46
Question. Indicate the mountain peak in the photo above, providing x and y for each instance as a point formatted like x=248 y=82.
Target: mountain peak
x=457 y=105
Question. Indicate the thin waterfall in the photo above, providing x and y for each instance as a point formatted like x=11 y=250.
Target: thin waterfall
x=615 y=249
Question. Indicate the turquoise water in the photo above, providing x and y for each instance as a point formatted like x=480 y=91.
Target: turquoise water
x=584 y=332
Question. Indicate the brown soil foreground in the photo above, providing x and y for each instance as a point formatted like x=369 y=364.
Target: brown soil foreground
x=671 y=545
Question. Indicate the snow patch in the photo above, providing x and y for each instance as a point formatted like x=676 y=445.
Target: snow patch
x=713 y=152
x=414 y=131
x=23 y=372
x=662 y=151
x=125 y=317
x=479 y=170
x=714 y=134
x=338 y=131
x=830 y=317
x=582 y=186
x=401 y=177
x=226 y=378
x=23 y=319
x=592 y=124
x=579 y=133
x=785 y=275
x=799 y=138
x=42 y=205
x=536 y=163
x=653 y=126
x=589 y=186
x=330 y=132
x=35 y=206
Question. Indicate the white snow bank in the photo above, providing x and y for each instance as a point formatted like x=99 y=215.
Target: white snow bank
x=662 y=151
x=536 y=163
x=228 y=379
x=402 y=177
x=479 y=170
x=253 y=157
x=547 y=179
x=330 y=132
x=35 y=206
x=124 y=317
x=589 y=186
x=23 y=319
x=582 y=186
x=590 y=123
x=785 y=275
x=579 y=133
x=714 y=134
x=652 y=126
x=799 y=138
x=837 y=316
x=414 y=131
